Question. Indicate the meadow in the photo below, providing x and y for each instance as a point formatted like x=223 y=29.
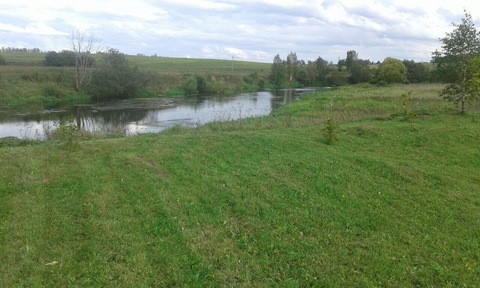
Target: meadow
x=254 y=203
x=24 y=79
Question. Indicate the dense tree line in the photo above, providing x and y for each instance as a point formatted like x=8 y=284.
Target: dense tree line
x=351 y=70
x=27 y=50
x=63 y=59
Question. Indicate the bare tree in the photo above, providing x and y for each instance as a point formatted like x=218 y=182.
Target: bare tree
x=85 y=49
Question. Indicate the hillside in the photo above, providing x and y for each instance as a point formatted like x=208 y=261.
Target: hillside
x=255 y=203
x=24 y=78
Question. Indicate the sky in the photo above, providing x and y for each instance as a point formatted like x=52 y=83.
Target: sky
x=250 y=30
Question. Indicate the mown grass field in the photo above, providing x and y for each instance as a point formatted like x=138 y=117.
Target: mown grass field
x=255 y=203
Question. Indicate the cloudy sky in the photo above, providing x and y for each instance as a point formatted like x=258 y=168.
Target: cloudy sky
x=253 y=30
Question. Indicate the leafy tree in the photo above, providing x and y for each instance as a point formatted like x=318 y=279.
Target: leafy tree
x=473 y=85
x=292 y=65
x=302 y=75
x=392 y=71
x=277 y=75
x=352 y=57
x=416 y=72
x=312 y=72
x=115 y=79
x=115 y=59
x=360 y=72
x=322 y=69
x=459 y=48
x=340 y=64
x=337 y=78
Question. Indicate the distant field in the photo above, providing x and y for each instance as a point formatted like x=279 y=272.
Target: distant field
x=165 y=64
x=24 y=58
x=201 y=66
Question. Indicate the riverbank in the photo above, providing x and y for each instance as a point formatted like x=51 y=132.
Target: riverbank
x=24 y=80
x=257 y=202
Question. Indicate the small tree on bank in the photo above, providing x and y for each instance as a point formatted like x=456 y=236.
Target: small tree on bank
x=459 y=47
x=84 y=49
x=473 y=85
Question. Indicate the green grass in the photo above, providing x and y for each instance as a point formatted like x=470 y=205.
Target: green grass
x=25 y=80
x=255 y=203
x=200 y=66
x=24 y=58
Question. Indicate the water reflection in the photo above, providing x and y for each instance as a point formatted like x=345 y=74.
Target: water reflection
x=138 y=116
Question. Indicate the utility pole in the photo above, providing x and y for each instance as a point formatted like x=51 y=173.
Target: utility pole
x=233 y=58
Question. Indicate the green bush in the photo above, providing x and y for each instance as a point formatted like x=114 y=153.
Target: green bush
x=201 y=84
x=119 y=83
x=190 y=86
x=53 y=90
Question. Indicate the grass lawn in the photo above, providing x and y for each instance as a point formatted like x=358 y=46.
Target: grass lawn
x=254 y=203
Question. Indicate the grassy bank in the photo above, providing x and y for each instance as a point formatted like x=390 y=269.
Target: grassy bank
x=256 y=203
x=24 y=79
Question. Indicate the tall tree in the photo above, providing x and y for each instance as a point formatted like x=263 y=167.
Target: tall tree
x=292 y=65
x=473 y=85
x=360 y=72
x=278 y=70
x=322 y=69
x=84 y=49
x=352 y=57
x=459 y=47
x=416 y=72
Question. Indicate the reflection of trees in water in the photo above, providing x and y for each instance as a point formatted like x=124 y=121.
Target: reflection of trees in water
x=110 y=121
x=33 y=113
x=283 y=97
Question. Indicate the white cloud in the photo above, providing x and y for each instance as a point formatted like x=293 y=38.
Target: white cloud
x=36 y=29
x=247 y=29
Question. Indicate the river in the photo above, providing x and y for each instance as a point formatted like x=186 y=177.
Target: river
x=137 y=116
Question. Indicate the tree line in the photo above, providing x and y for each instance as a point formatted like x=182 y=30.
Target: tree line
x=26 y=50
x=351 y=70
x=457 y=65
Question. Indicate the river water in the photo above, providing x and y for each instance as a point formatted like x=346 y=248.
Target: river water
x=137 y=116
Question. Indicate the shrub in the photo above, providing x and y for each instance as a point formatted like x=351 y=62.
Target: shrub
x=190 y=86
x=120 y=83
x=53 y=90
x=331 y=132
x=201 y=84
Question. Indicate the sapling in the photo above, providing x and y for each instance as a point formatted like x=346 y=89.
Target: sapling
x=406 y=104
